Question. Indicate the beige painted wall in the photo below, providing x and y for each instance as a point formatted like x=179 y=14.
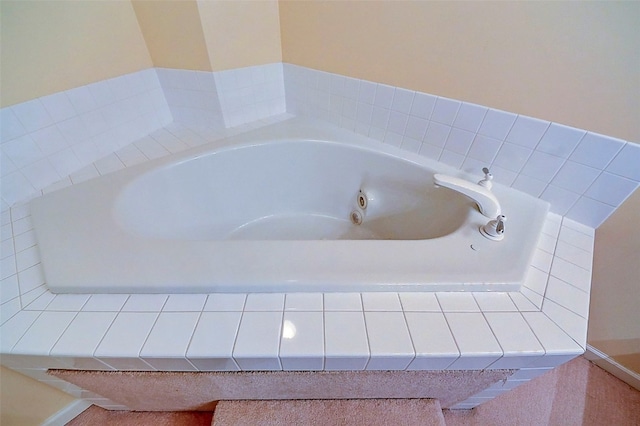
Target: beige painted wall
x=173 y=33
x=614 y=317
x=575 y=63
x=241 y=33
x=49 y=46
x=25 y=402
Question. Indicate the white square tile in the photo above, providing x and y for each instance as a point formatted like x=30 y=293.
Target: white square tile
x=101 y=93
x=105 y=302
x=384 y=96
x=44 y=333
x=346 y=343
x=575 y=255
x=302 y=341
x=22 y=151
x=381 y=301
x=14 y=328
x=151 y=148
x=389 y=341
x=470 y=117
x=459 y=141
x=397 y=122
x=484 y=148
x=626 y=162
x=212 y=343
x=342 y=302
x=523 y=304
x=530 y=185
x=434 y=345
x=49 y=140
x=596 y=150
x=419 y=301
x=611 y=189
x=554 y=340
x=9 y=289
x=560 y=140
x=561 y=200
x=303 y=302
x=542 y=260
x=527 y=131
x=364 y=113
x=39 y=303
x=351 y=88
x=411 y=145
x=496 y=124
x=185 y=303
x=41 y=174
x=402 y=100
x=68 y=302
x=145 y=303
x=512 y=157
x=264 y=302
x=572 y=274
x=437 y=134
x=451 y=158
x=575 y=177
x=547 y=242
x=169 y=337
x=535 y=298
x=536 y=280
x=576 y=238
x=494 y=301
x=416 y=128
x=542 y=166
x=32 y=114
x=81 y=99
x=126 y=336
x=514 y=334
x=445 y=111
x=74 y=130
x=30 y=278
x=10 y=126
x=568 y=296
x=472 y=333
x=83 y=335
x=457 y=302
x=258 y=341
x=225 y=302
x=423 y=105
x=572 y=324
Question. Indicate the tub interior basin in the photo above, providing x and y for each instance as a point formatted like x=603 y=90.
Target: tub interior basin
x=293 y=190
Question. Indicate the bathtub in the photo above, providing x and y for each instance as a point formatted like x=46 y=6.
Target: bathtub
x=297 y=206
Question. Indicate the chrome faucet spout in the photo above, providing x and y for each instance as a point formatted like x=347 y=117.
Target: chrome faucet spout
x=483 y=197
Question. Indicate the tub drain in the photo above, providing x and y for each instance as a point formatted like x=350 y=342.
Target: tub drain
x=356 y=217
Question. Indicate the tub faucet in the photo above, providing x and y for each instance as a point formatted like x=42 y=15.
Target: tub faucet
x=479 y=192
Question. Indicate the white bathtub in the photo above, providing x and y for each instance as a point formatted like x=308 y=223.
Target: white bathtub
x=269 y=211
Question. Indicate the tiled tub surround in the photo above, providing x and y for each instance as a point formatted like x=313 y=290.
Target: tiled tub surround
x=532 y=331
x=47 y=139
x=585 y=176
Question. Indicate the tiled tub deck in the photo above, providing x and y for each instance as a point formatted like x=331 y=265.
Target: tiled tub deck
x=532 y=331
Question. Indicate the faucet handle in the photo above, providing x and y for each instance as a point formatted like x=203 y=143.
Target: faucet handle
x=488 y=177
x=494 y=229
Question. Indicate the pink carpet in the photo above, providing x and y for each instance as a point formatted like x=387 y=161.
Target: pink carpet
x=370 y=412
x=577 y=393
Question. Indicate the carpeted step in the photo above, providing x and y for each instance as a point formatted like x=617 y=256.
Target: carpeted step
x=370 y=412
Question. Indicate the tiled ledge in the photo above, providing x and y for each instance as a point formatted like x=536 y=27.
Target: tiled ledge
x=534 y=330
